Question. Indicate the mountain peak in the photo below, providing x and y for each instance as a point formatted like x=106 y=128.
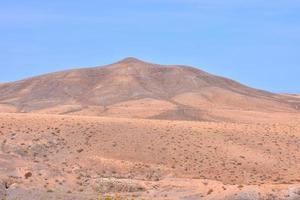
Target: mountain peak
x=131 y=80
x=131 y=60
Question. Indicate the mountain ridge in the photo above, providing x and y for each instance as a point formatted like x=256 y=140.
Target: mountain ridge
x=132 y=85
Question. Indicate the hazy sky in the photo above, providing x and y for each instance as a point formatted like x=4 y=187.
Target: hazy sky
x=256 y=42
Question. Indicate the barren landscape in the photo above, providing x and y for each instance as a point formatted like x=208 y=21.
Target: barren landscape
x=138 y=130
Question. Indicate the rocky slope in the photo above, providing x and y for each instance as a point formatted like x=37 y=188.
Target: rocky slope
x=136 y=89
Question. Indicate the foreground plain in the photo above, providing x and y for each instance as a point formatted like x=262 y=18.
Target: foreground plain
x=77 y=157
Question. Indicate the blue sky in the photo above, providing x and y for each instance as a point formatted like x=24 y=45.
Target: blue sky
x=256 y=42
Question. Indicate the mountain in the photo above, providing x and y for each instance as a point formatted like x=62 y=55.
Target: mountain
x=218 y=139
x=134 y=88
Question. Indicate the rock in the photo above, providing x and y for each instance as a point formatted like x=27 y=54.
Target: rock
x=246 y=195
x=2 y=189
x=28 y=175
x=293 y=193
x=114 y=185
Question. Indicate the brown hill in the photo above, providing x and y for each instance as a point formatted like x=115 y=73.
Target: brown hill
x=45 y=156
x=133 y=88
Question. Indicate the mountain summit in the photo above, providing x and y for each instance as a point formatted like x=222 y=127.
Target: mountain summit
x=134 y=88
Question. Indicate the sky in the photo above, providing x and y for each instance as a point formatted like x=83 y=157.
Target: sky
x=255 y=42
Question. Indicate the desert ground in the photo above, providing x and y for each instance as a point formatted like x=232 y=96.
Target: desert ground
x=137 y=130
x=46 y=156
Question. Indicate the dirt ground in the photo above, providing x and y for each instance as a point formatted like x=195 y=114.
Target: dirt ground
x=76 y=157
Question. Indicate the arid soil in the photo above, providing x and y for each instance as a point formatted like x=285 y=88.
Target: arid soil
x=138 y=130
x=136 y=89
x=75 y=157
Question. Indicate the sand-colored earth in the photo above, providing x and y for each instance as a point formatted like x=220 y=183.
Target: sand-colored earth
x=136 y=89
x=74 y=157
x=146 y=131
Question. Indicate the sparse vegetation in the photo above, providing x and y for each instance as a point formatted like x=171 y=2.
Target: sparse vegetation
x=77 y=158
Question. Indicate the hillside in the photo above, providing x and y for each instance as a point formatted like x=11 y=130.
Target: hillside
x=145 y=131
x=79 y=157
x=136 y=89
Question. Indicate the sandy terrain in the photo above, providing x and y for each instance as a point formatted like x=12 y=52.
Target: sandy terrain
x=72 y=157
x=146 y=131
